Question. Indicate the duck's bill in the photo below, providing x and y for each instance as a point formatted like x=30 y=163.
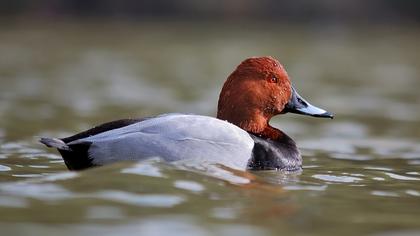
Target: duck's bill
x=299 y=105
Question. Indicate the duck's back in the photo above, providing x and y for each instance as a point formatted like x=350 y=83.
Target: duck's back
x=172 y=137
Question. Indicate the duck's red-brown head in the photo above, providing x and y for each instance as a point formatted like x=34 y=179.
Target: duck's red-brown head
x=257 y=90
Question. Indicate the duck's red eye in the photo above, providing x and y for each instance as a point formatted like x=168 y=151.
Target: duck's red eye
x=274 y=79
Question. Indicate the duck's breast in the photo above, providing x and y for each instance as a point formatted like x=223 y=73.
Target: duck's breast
x=174 y=137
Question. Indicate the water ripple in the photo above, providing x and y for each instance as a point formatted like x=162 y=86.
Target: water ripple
x=413 y=192
x=400 y=177
x=384 y=193
x=148 y=200
x=37 y=191
x=335 y=178
x=4 y=168
x=307 y=187
x=189 y=185
x=145 y=168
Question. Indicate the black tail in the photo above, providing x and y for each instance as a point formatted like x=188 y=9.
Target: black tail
x=76 y=156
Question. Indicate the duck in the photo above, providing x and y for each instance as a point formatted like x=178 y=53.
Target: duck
x=239 y=137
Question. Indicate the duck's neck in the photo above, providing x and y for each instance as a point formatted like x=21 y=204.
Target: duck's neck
x=251 y=121
x=271 y=133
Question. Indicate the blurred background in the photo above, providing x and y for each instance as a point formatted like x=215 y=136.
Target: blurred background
x=301 y=11
x=134 y=58
x=67 y=65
